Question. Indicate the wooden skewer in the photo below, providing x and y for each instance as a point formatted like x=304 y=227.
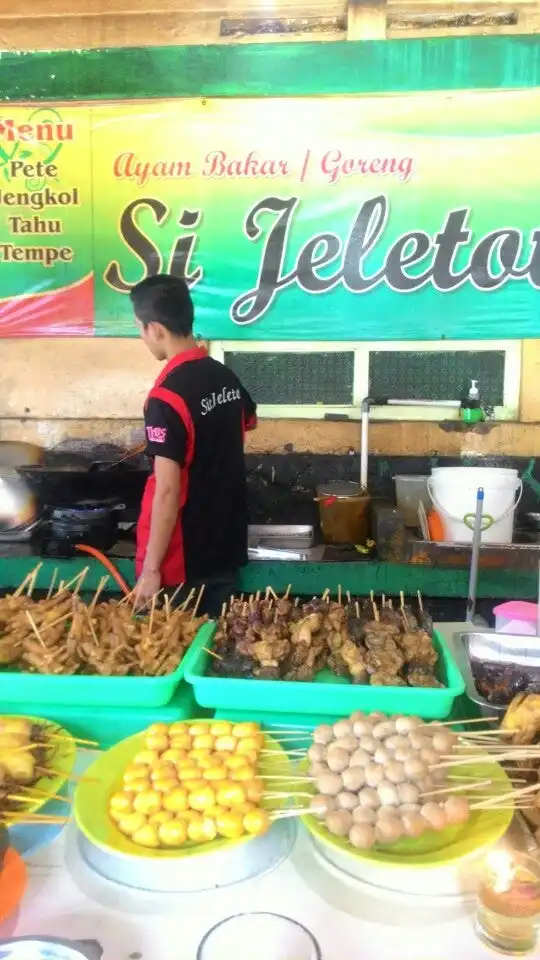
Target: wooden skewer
x=198 y=600
x=175 y=594
x=20 y=589
x=383 y=601
x=512 y=795
x=100 y=588
x=80 y=580
x=273 y=592
x=61 y=589
x=34 y=628
x=376 y=616
x=52 y=583
x=276 y=776
x=296 y=601
x=470 y=785
x=287 y=812
x=285 y=796
x=50 y=772
x=325 y=595
x=32 y=584
x=357 y=610
x=91 y=625
x=34 y=818
x=348 y=595
x=128 y=596
x=390 y=603
x=287 y=592
x=339 y=594
x=212 y=654
x=224 y=611
x=371 y=596
x=402 y=599
x=188 y=600
x=420 y=604
x=167 y=606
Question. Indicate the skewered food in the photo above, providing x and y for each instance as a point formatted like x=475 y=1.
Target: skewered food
x=26 y=750
x=195 y=793
x=283 y=640
x=374 y=798
x=62 y=635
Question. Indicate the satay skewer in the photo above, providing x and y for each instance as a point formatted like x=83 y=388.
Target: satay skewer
x=198 y=600
x=100 y=588
x=52 y=583
x=22 y=586
x=212 y=654
x=35 y=629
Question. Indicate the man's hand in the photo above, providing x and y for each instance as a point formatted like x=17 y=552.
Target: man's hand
x=148 y=584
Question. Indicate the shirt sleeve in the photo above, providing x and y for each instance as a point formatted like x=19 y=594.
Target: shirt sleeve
x=250 y=410
x=166 y=435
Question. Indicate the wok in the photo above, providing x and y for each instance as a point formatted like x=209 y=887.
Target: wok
x=63 y=486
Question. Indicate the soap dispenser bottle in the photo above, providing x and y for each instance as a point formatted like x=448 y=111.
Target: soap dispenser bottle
x=471 y=410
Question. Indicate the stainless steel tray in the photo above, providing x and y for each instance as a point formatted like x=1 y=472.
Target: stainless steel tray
x=282 y=536
x=491 y=647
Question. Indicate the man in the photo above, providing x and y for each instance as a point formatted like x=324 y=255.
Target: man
x=193 y=523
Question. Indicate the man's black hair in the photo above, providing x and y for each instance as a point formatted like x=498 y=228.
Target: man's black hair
x=166 y=300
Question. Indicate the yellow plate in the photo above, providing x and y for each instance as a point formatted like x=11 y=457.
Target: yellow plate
x=436 y=848
x=61 y=755
x=105 y=775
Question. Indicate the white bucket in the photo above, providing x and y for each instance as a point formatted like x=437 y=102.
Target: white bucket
x=453 y=491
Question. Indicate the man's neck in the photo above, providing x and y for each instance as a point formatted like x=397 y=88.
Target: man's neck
x=180 y=345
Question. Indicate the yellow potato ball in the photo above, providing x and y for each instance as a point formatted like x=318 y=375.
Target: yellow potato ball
x=147 y=802
x=173 y=833
x=249 y=745
x=215 y=811
x=180 y=742
x=138 y=786
x=203 y=741
x=121 y=802
x=225 y=743
x=162 y=816
x=230 y=825
x=221 y=728
x=192 y=785
x=158 y=742
x=198 y=728
x=166 y=784
x=257 y=822
x=189 y=773
x=254 y=790
x=215 y=773
x=242 y=774
x=244 y=808
x=131 y=823
x=176 y=801
x=147 y=836
x=202 y=799
x=234 y=761
x=177 y=729
x=164 y=770
x=231 y=794
x=135 y=771
x=157 y=729
x=173 y=756
x=245 y=730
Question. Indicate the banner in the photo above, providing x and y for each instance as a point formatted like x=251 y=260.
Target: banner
x=380 y=218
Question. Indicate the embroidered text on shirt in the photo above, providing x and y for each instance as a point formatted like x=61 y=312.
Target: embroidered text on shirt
x=217 y=399
x=156 y=434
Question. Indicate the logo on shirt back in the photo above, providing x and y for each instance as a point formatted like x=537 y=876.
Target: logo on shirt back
x=156 y=434
x=218 y=399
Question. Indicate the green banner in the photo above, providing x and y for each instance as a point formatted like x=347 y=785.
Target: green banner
x=369 y=218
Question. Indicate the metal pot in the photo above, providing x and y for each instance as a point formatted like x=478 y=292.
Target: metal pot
x=18 y=506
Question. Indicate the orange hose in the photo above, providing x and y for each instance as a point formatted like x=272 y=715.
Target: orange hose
x=108 y=564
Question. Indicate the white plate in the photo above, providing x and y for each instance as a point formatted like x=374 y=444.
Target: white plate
x=38 y=950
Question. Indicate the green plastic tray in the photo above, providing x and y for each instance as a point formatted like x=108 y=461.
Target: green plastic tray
x=94 y=691
x=109 y=725
x=327 y=695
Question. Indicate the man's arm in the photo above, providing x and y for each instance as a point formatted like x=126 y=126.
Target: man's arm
x=165 y=507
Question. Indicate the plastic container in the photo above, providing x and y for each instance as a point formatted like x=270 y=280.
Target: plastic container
x=411 y=489
x=109 y=725
x=328 y=694
x=343 y=512
x=516 y=616
x=96 y=691
x=453 y=492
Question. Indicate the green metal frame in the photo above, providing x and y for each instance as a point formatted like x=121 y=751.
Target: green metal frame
x=307 y=578
x=272 y=70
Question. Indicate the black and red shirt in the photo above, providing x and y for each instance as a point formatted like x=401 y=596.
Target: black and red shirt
x=196 y=415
